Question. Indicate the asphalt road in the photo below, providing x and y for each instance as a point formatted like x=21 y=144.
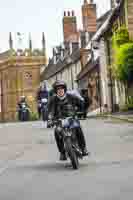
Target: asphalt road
x=30 y=170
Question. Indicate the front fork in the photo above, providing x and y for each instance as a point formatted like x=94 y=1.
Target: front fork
x=74 y=141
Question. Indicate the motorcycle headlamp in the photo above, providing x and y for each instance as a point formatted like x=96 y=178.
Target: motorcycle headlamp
x=44 y=100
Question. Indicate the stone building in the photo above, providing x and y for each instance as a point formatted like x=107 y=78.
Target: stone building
x=111 y=91
x=19 y=75
x=122 y=14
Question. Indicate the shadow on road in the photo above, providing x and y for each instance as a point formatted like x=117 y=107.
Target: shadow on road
x=50 y=167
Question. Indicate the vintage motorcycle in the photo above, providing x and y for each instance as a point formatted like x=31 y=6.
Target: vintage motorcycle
x=24 y=112
x=67 y=129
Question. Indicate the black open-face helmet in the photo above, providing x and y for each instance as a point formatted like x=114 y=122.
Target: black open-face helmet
x=59 y=84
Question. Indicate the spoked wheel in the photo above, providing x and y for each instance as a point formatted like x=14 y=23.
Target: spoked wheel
x=71 y=153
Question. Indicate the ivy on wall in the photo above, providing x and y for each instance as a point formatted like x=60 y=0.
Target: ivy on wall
x=124 y=63
x=120 y=37
x=123 y=55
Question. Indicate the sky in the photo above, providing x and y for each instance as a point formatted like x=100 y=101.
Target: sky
x=39 y=16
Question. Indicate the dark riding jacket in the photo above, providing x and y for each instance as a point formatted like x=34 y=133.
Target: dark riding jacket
x=66 y=107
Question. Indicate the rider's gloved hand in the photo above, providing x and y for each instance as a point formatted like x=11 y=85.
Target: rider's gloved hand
x=50 y=123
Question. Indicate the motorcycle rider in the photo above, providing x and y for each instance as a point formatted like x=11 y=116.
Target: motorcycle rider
x=62 y=105
x=20 y=103
x=41 y=94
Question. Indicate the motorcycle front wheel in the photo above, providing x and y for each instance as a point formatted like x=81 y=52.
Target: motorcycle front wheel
x=44 y=115
x=71 y=153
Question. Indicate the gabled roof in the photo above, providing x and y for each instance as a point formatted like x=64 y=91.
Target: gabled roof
x=108 y=22
x=53 y=69
x=102 y=19
x=87 y=68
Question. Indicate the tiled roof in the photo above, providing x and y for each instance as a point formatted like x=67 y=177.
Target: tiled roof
x=5 y=55
x=102 y=19
x=87 y=68
x=108 y=22
x=52 y=69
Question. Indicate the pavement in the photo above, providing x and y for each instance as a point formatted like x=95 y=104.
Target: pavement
x=125 y=116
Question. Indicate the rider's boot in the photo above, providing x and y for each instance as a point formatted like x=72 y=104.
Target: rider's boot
x=81 y=141
x=63 y=156
x=60 y=146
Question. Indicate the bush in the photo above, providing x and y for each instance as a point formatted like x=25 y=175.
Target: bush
x=130 y=103
x=33 y=116
x=124 y=108
x=16 y=117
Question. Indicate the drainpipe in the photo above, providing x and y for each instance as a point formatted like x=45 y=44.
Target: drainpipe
x=99 y=89
x=110 y=77
x=72 y=78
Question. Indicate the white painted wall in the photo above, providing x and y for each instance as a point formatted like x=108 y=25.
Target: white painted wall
x=118 y=91
x=104 y=74
x=0 y=97
x=68 y=74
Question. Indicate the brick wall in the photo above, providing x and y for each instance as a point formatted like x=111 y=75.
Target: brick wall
x=70 y=27
x=89 y=17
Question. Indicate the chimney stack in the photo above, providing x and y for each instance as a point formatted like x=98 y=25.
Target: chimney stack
x=89 y=16
x=70 y=27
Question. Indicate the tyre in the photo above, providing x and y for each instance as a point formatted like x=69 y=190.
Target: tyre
x=24 y=116
x=44 y=115
x=71 y=153
x=27 y=115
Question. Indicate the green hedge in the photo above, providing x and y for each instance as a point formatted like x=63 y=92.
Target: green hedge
x=33 y=116
x=130 y=103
